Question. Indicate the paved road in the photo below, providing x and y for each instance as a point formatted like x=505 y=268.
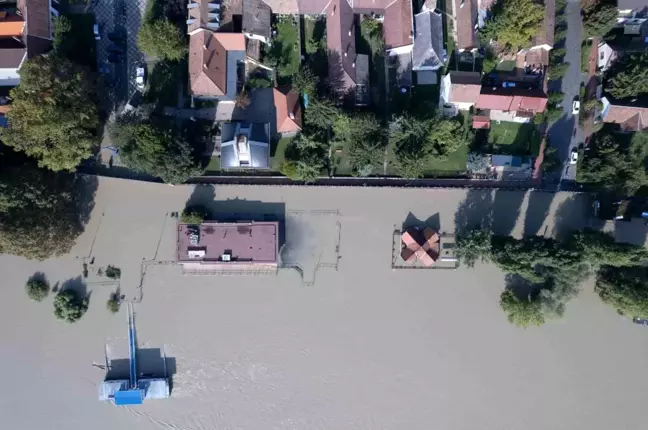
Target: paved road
x=561 y=133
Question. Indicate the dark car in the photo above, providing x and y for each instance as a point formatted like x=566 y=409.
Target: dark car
x=116 y=57
x=642 y=321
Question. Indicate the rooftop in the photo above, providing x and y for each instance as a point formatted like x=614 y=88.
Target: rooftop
x=428 y=44
x=245 y=145
x=229 y=243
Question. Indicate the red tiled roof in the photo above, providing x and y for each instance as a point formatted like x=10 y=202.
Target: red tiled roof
x=465 y=20
x=208 y=61
x=630 y=118
x=340 y=40
x=397 y=25
x=286 y=101
x=512 y=99
x=464 y=87
x=480 y=122
x=420 y=244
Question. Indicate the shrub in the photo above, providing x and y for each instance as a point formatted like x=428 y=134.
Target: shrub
x=113 y=303
x=259 y=82
x=69 y=307
x=37 y=289
x=194 y=215
x=162 y=39
x=113 y=272
x=557 y=71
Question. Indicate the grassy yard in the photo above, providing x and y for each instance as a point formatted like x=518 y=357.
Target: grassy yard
x=454 y=163
x=514 y=139
x=285 y=50
x=278 y=152
x=213 y=166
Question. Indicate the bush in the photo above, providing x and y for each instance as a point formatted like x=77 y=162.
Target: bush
x=69 y=307
x=113 y=272
x=113 y=303
x=259 y=82
x=194 y=215
x=557 y=71
x=522 y=312
x=37 y=289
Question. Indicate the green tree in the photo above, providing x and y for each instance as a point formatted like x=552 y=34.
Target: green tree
x=114 y=303
x=555 y=97
x=550 y=162
x=554 y=113
x=320 y=113
x=156 y=150
x=306 y=157
x=53 y=117
x=626 y=290
x=599 y=18
x=259 y=82
x=514 y=23
x=69 y=307
x=601 y=249
x=162 y=39
x=446 y=136
x=523 y=312
x=363 y=135
x=194 y=214
x=41 y=212
x=305 y=82
x=616 y=165
x=37 y=288
x=477 y=162
x=474 y=245
x=558 y=71
x=629 y=77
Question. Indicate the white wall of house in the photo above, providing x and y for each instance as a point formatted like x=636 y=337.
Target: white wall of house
x=9 y=77
x=400 y=50
x=256 y=37
x=498 y=115
x=606 y=56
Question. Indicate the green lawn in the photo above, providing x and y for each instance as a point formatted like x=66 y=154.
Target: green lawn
x=278 y=152
x=514 y=139
x=506 y=66
x=285 y=48
x=213 y=165
x=341 y=165
x=454 y=163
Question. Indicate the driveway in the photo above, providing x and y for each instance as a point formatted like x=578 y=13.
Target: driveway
x=561 y=133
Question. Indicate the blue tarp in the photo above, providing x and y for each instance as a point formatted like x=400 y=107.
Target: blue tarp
x=129 y=397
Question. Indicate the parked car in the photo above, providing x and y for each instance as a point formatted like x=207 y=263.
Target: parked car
x=573 y=157
x=95 y=29
x=576 y=107
x=642 y=321
x=116 y=57
x=139 y=78
x=117 y=38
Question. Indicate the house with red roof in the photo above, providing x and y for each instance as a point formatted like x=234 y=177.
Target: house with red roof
x=511 y=104
x=287 y=111
x=629 y=118
x=459 y=91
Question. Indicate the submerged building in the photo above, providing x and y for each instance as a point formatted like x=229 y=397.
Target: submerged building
x=134 y=390
x=236 y=246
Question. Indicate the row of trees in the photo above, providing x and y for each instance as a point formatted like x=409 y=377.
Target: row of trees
x=69 y=306
x=599 y=17
x=628 y=78
x=543 y=274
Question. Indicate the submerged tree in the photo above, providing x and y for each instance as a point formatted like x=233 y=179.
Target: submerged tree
x=37 y=289
x=69 y=307
x=474 y=245
x=523 y=312
x=41 y=212
x=626 y=290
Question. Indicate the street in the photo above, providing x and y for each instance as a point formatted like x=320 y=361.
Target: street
x=561 y=133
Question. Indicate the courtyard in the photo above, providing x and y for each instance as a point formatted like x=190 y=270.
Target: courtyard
x=360 y=345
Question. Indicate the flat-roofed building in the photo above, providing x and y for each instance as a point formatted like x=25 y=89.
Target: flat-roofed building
x=244 y=245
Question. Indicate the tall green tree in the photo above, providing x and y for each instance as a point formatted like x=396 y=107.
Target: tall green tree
x=320 y=113
x=162 y=39
x=41 y=212
x=626 y=290
x=599 y=17
x=363 y=135
x=522 y=312
x=514 y=23
x=601 y=249
x=629 y=76
x=474 y=245
x=156 y=150
x=54 y=114
x=616 y=163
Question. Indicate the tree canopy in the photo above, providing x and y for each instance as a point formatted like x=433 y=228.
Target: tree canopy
x=514 y=23
x=616 y=163
x=69 y=307
x=474 y=245
x=599 y=17
x=162 y=39
x=626 y=290
x=41 y=212
x=363 y=135
x=54 y=115
x=306 y=157
x=522 y=312
x=629 y=76
x=37 y=288
x=153 y=148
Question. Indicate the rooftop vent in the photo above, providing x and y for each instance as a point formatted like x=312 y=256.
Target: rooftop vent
x=200 y=253
x=226 y=257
